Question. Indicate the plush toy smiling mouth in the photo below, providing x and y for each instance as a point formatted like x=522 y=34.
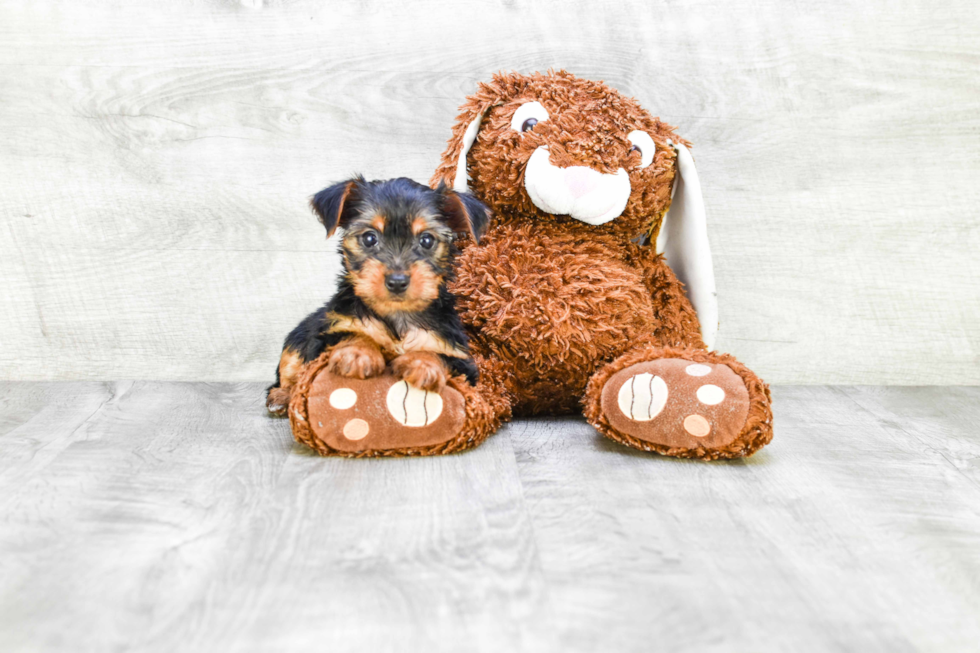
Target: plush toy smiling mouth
x=577 y=191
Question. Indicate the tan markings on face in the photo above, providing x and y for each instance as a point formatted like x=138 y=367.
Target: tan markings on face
x=441 y=253
x=419 y=225
x=352 y=247
x=425 y=283
x=290 y=364
x=369 y=285
x=378 y=222
x=423 y=220
x=369 y=281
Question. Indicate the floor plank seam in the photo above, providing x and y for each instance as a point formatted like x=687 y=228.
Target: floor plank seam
x=531 y=524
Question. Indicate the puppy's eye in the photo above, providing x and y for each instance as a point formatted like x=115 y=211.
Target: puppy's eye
x=527 y=116
x=643 y=144
x=426 y=241
x=369 y=239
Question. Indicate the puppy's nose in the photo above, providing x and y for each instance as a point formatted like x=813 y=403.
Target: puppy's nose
x=396 y=282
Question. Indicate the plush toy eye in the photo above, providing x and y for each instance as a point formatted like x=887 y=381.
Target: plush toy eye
x=369 y=239
x=427 y=241
x=643 y=144
x=527 y=116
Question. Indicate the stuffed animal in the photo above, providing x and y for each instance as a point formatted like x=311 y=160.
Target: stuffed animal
x=592 y=291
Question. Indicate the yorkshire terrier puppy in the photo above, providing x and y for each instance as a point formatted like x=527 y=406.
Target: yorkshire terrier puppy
x=391 y=305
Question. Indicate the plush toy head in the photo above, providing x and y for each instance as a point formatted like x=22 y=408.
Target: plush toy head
x=556 y=149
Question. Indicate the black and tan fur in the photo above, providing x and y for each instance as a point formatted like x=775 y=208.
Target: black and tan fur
x=391 y=306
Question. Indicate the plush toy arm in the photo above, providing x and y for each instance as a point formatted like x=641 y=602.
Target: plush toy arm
x=683 y=240
x=677 y=323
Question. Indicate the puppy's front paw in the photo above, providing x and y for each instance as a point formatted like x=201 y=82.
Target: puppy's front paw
x=356 y=361
x=422 y=370
x=277 y=401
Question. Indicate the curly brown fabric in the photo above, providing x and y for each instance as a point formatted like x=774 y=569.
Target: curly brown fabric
x=677 y=323
x=538 y=300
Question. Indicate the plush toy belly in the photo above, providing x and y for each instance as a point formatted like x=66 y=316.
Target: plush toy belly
x=553 y=306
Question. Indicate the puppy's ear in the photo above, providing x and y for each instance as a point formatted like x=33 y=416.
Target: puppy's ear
x=464 y=213
x=334 y=205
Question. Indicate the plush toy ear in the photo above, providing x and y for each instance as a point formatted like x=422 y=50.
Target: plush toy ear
x=683 y=240
x=452 y=165
x=465 y=213
x=334 y=205
x=461 y=178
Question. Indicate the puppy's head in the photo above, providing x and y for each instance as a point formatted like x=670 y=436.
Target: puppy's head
x=398 y=237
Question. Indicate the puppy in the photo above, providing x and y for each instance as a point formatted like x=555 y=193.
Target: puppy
x=391 y=304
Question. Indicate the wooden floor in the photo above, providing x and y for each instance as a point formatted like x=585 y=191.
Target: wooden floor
x=178 y=517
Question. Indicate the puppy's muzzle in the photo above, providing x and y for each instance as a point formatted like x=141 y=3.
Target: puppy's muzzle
x=397 y=282
x=577 y=191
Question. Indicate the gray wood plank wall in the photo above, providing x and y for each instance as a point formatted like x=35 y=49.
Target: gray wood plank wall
x=155 y=160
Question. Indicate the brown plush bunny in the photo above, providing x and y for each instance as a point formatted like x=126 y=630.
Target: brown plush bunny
x=569 y=299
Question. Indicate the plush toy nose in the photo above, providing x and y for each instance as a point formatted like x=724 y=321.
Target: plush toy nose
x=396 y=282
x=581 y=180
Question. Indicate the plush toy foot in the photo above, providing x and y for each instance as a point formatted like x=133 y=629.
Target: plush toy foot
x=681 y=402
x=385 y=415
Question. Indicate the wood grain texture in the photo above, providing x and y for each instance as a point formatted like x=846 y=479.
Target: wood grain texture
x=147 y=516
x=852 y=531
x=156 y=159
x=175 y=516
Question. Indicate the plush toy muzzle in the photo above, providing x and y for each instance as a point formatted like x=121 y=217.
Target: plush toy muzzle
x=577 y=191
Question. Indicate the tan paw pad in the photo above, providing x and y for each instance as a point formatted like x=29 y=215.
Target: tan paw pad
x=697 y=426
x=356 y=429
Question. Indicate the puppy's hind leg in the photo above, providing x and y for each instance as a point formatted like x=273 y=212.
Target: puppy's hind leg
x=303 y=344
x=278 y=394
